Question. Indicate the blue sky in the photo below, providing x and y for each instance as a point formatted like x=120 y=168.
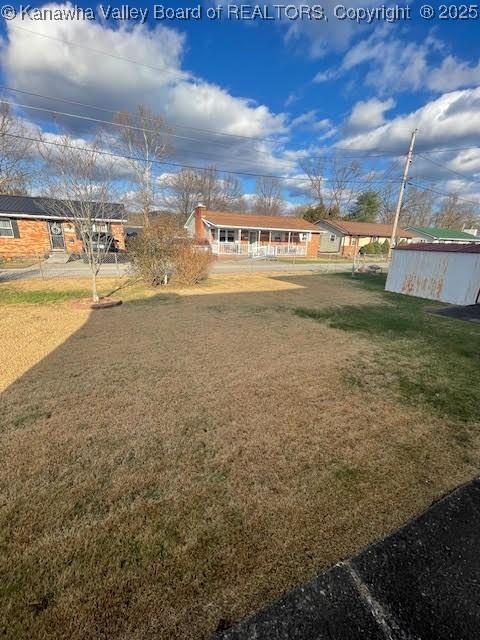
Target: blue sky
x=300 y=88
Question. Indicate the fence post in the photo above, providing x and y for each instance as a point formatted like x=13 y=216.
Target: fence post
x=116 y=263
x=40 y=266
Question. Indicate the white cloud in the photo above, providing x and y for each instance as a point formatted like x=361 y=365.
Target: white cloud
x=51 y=68
x=451 y=119
x=322 y=36
x=324 y=76
x=395 y=65
x=309 y=120
x=447 y=124
x=368 y=114
x=454 y=74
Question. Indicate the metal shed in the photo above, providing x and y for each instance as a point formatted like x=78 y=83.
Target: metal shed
x=437 y=271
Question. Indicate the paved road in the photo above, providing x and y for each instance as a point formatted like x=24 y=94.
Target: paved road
x=420 y=583
x=78 y=269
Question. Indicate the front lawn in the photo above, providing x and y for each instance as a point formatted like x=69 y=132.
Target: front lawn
x=173 y=464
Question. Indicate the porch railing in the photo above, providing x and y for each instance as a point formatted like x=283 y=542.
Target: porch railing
x=256 y=250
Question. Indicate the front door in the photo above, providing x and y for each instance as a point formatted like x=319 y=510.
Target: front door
x=252 y=237
x=55 y=232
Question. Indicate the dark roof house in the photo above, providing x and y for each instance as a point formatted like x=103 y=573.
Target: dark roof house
x=34 y=226
x=49 y=208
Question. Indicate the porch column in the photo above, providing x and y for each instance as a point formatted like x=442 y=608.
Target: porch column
x=239 y=241
x=289 y=238
x=269 y=238
x=259 y=237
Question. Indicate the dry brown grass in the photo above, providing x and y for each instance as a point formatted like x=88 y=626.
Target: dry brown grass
x=183 y=460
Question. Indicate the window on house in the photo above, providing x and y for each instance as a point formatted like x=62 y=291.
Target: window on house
x=6 y=229
x=227 y=235
x=304 y=237
x=101 y=227
x=333 y=237
x=277 y=236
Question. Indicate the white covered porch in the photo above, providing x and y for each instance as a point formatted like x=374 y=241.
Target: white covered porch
x=258 y=242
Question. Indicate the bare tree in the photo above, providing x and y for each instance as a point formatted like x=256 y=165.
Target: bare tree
x=343 y=187
x=15 y=153
x=455 y=213
x=143 y=140
x=219 y=191
x=183 y=190
x=417 y=207
x=78 y=182
x=333 y=183
x=315 y=171
x=268 y=199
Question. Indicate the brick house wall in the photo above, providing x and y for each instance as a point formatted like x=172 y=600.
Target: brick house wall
x=34 y=239
x=117 y=231
x=313 y=246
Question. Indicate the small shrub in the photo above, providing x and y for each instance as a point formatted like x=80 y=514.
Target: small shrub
x=153 y=252
x=192 y=263
x=386 y=246
x=372 y=248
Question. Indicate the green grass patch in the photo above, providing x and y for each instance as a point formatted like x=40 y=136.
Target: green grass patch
x=434 y=361
x=345 y=472
x=9 y=295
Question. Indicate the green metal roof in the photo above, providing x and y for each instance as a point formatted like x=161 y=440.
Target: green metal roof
x=444 y=234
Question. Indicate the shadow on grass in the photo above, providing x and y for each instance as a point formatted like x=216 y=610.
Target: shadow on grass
x=126 y=456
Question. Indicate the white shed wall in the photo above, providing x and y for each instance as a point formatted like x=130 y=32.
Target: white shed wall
x=443 y=276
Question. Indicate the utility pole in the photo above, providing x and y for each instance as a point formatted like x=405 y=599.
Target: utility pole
x=408 y=162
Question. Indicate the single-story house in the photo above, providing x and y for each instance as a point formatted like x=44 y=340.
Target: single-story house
x=32 y=226
x=230 y=233
x=435 y=234
x=345 y=237
x=447 y=271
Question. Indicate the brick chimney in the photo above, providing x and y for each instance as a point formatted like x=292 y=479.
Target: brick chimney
x=199 y=226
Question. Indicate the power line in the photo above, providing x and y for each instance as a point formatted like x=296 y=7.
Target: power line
x=125 y=126
x=443 y=166
x=183 y=76
x=133 y=127
x=167 y=133
x=172 y=164
x=443 y=193
x=476 y=146
x=331 y=150
x=114 y=111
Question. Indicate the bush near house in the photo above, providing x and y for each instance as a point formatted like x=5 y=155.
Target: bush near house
x=164 y=250
x=372 y=248
x=192 y=263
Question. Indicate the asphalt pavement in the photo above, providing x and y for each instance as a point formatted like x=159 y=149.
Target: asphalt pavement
x=420 y=583
x=79 y=269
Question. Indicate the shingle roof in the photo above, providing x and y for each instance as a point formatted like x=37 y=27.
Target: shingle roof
x=446 y=247
x=38 y=207
x=253 y=221
x=351 y=228
x=444 y=234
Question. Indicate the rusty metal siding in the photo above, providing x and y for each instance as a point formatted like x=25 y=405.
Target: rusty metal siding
x=447 y=277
